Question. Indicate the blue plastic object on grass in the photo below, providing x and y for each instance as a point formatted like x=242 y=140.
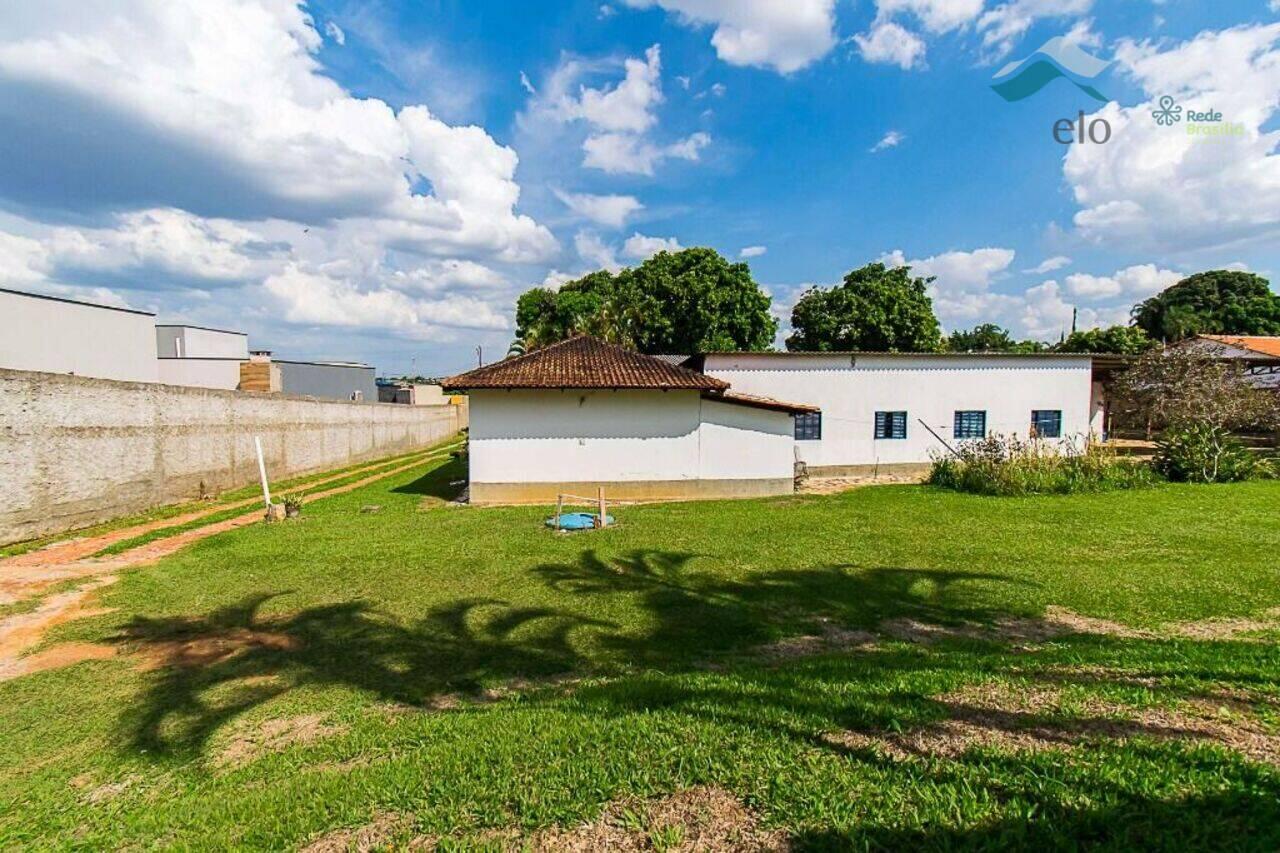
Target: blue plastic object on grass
x=578 y=521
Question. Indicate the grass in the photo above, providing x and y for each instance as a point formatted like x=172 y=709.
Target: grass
x=633 y=653
x=173 y=510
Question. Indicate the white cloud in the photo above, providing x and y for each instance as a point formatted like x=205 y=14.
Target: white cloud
x=890 y=140
x=594 y=251
x=642 y=247
x=752 y=251
x=628 y=106
x=785 y=35
x=526 y=84
x=211 y=149
x=937 y=16
x=1136 y=282
x=1043 y=314
x=1004 y=25
x=611 y=210
x=316 y=298
x=622 y=153
x=620 y=118
x=1056 y=262
x=891 y=44
x=1157 y=186
x=956 y=272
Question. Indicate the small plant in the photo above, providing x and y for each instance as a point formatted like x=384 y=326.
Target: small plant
x=1010 y=465
x=1203 y=453
x=292 y=506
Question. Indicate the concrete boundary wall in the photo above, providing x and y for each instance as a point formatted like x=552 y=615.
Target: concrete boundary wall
x=78 y=451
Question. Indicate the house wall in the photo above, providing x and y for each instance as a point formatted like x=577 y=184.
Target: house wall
x=851 y=389
x=58 y=336
x=196 y=342
x=527 y=446
x=328 y=381
x=79 y=451
x=221 y=373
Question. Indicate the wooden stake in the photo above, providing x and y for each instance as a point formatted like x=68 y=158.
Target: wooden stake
x=600 y=498
x=559 y=509
x=262 y=472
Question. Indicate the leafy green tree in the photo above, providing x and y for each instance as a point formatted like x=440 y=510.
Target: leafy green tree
x=989 y=337
x=678 y=302
x=1213 y=302
x=875 y=308
x=1120 y=340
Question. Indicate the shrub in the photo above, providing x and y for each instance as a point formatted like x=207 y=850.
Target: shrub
x=1203 y=453
x=1009 y=465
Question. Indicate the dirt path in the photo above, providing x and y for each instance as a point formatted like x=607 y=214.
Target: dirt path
x=80 y=548
x=28 y=576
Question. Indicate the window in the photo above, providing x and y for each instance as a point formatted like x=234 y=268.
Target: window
x=1046 y=423
x=809 y=426
x=891 y=424
x=970 y=424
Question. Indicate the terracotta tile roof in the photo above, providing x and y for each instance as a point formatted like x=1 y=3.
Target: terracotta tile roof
x=584 y=362
x=1263 y=345
x=757 y=402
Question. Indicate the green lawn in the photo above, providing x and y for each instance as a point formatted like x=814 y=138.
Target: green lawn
x=466 y=670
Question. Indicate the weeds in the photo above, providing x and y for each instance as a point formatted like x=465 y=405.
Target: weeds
x=1009 y=465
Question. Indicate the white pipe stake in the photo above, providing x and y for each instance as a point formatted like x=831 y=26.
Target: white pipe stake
x=262 y=472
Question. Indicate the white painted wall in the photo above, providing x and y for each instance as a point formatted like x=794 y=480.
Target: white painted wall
x=850 y=390
x=56 y=336
x=178 y=341
x=743 y=443
x=221 y=373
x=528 y=436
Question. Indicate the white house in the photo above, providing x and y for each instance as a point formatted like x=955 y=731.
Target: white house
x=200 y=357
x=889 y=411
x=582 y=414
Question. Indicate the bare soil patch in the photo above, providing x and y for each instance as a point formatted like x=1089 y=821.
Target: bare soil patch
x=274 y=735
x=206 y=650
x=371 y=836
x=1037 y=718
x=701 y=819
x=836 y=485
x=832 y=638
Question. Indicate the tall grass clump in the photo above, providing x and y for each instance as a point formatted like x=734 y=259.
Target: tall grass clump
x=1009 y=465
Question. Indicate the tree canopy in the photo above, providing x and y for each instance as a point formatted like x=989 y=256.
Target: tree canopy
x=989 y=337
x=675 y=302
x=1120 y=340
x=874 y=308
x=1212 y=302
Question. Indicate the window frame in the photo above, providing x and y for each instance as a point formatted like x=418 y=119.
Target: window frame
x=883 y=428
x=1035 y=423
x=962 y=428
x=806 y=426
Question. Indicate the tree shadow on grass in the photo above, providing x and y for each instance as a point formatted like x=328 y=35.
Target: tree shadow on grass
x=693 y=654
x=445 y=482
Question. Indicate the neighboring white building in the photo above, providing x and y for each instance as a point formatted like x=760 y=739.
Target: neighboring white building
x=1258 y=355
x=583 y=414
x=55 y=335
x=200 y=357
x=881 y=411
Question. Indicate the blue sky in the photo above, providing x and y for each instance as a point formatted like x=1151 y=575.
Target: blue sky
x=380 y=180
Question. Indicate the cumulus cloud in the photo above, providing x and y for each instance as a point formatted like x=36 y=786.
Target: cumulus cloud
x=620 y=118
x=596 y=253
x=1005 y=24
x=785 y=36
x=892 y=44
x=1136 y=282
x=622 y=154
x=211 y=149
x=642 y=247
x=1156 y=185
x=611 y=210
x=752 y=251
